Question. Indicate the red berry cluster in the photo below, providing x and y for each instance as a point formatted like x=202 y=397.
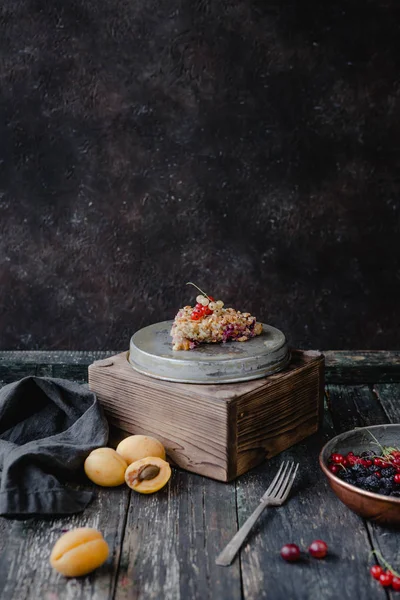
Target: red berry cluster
x=291 y=552
x=339 y=461
x=200 y=310
x=386 y=578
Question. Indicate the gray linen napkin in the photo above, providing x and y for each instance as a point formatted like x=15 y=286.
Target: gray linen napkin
x=47 y=428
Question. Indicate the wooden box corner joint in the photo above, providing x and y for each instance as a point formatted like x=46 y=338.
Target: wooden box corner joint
x=220 y=431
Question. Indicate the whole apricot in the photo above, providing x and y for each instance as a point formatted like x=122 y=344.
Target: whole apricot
x=148 y=475
x=136 y=447
x=79 y=552
x=105 y=467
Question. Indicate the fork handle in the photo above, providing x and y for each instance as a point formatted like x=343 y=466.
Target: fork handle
x=231 y=549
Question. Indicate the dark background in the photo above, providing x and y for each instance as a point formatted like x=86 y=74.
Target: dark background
x=250 y=146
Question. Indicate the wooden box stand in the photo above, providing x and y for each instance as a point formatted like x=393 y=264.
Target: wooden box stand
x=220 y=431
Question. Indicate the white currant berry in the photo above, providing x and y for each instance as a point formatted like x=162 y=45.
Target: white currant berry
x=219 y=304
x=200 y=299
x=205 y=302
x=212 y=306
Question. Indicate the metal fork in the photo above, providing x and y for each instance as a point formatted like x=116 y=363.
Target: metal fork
x=275 y=495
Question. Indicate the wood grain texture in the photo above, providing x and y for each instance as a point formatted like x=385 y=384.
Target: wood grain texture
x=311 y=512
x=64 y=364
x=25 y=572
x=216 y=430
x=164 y=546
x=172 y=539
x=362 y=366
x=274 y=418
x=341 y=366
x=191 y=423
x=359 y=406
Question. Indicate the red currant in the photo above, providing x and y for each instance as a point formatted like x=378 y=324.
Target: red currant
x=290 y=552
x=396 y=461
x=385 y=464
x=334 y=469
x=378 y=462
x=318 y=549
x=197 y=312
x=376 y=571
x=337 y=458
x=396 y=583
x=386 y=579
x=378 y=474
x=396 y=478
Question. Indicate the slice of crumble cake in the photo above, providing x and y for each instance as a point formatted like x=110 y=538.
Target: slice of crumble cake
x=209 y=322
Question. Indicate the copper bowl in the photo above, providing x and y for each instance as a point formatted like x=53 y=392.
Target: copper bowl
x=381 y=509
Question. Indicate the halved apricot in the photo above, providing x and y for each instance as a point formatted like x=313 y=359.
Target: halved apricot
x=148 y=475
x=136 y=447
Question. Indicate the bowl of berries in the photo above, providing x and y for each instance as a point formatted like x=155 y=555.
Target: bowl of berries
x=363 y=470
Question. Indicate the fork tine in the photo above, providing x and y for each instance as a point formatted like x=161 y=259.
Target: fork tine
x=277 y=476
x=281 y=483
x=288 y=484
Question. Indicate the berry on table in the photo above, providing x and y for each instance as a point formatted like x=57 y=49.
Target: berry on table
x=386 y=578
x=318 y=549
x=396 y=583
x=290 y=552
x=376 y=571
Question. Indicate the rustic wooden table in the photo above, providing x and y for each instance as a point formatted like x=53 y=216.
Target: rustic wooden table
x=164 y=546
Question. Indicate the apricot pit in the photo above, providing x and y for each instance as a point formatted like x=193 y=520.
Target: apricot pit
x=148 y=475
x=136 y=447
x=104 y=466
x=79 y=551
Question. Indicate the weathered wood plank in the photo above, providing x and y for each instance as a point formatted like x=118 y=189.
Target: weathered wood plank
x=25 y=572
x=354 y=406
x=352 y=366
x=388 y=395
x=64 y=364
x=362 y=366
x=171 y=542
x=52 y=357
x=312 y=512
x=25 y=545
x=358 y=407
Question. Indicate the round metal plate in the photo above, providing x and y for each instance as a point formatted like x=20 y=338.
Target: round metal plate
x=151 y=353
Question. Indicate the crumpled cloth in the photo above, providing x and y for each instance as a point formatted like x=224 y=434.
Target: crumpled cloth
x=48 y=427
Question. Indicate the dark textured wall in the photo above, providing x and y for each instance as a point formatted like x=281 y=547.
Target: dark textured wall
x=250 y=146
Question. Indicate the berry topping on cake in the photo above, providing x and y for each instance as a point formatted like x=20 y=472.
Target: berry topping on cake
x=210 y=322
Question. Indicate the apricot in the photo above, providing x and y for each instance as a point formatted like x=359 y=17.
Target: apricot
x=79 y=552
x=136 y=447
x=105 y=467
x=148 y=475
